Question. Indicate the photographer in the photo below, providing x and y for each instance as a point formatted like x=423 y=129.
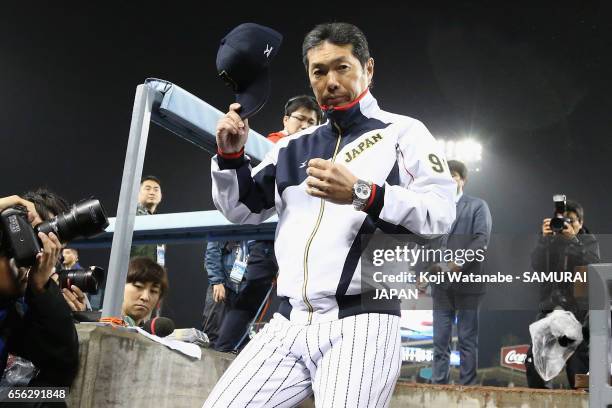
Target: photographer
x=35 y=321
x=74 y=296
x=77 y=282
x=559 y=250
x=70 y=259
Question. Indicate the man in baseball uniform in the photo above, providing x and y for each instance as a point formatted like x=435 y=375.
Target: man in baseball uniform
x=363 y=170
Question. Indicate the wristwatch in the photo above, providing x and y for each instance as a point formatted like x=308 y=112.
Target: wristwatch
x=361 y=194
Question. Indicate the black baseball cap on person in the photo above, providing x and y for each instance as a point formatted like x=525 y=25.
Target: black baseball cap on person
x=243 y=62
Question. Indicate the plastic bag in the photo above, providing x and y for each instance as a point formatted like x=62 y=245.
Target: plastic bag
x=550 y=346
x=191 y=336
x=18 y=373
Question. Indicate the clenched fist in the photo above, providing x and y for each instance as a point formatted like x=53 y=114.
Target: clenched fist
x=331 y=181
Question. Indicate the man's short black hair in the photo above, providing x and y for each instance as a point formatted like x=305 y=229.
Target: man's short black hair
x=47 y=203
x=143 y=269
x=575 y=207
x=76 y=251
x=303 y=101
x=455 y=166
x=338 y=34
x=152 y=178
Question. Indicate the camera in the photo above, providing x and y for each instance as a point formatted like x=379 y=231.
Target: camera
x=88 y=280
x=557 y=223
x=20 y=240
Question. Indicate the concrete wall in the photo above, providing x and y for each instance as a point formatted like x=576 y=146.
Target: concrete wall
x=125 y=369
x=409 y=395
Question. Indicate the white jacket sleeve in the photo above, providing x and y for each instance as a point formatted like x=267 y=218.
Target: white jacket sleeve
x=242 y=194
x=423 y=203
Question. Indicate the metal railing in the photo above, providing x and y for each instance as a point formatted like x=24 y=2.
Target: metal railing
x=192 y=119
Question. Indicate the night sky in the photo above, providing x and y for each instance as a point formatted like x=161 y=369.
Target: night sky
x=531 y=84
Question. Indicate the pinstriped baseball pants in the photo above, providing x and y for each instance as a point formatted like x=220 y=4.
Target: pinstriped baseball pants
x=350 y=362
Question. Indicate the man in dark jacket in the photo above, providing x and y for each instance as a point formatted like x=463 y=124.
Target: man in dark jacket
x=471 y=230
x=563 y=251
x=221 y=292
x=35 y=321
x=149 y=198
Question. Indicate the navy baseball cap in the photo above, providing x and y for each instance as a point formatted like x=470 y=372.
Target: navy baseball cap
x=243 y=62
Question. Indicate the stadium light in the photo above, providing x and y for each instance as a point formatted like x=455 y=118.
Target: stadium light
x=467 y=150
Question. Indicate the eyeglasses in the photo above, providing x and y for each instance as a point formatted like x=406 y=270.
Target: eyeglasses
x=310 y=122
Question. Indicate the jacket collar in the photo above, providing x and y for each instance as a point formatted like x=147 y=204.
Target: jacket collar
x=345 y=117
x=461 y=206
x=141 y=210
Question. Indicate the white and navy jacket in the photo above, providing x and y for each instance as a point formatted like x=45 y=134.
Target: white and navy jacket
x=317 y=242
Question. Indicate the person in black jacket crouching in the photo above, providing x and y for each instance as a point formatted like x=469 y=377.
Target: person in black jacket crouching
x=35 y=321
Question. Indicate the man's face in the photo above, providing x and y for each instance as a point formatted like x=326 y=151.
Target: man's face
x=70 y=256
x=336 y=76
x=150 y=194
x=139 y=299
x=302 y=118
x=460 y=182
x=575 y=222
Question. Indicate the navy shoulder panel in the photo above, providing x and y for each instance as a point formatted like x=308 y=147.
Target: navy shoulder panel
x=292 y=160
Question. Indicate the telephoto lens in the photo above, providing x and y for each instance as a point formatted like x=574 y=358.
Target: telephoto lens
x=83 y=220
x=88 y=280
x=20 y=241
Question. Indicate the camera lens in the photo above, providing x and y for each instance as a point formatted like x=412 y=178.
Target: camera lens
x=557 y=224
x=84 y=219
x=88 y=280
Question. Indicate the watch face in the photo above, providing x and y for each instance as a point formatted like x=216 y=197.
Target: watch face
x=362 y=191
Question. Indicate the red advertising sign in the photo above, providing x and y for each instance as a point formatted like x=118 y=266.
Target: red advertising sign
x=514 y=357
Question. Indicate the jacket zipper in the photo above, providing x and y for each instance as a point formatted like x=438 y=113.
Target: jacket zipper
x=312 y=235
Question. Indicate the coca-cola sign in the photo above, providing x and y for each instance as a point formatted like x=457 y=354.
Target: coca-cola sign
x=514 y=357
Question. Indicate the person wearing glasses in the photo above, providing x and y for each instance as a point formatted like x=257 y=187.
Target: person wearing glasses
x=301 y=112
